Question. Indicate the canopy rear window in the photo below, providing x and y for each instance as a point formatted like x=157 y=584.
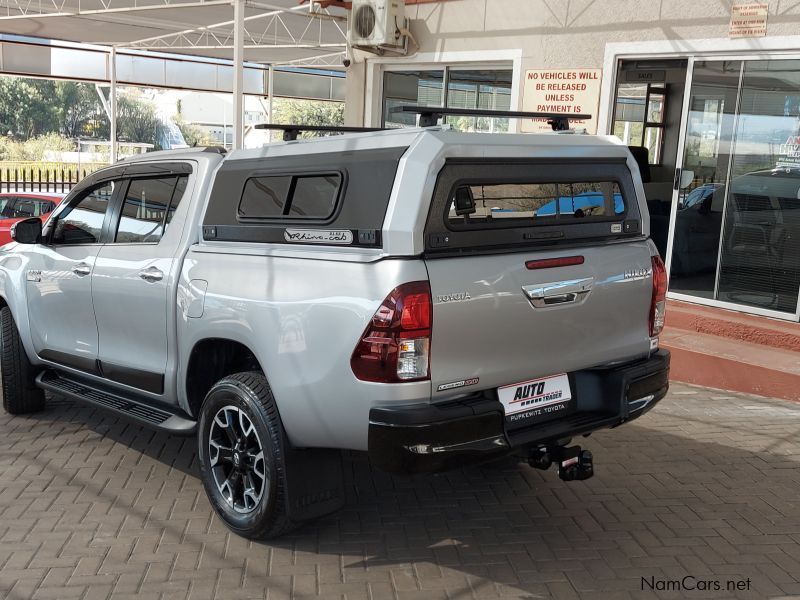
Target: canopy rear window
x=502 y=204
x=525 y=204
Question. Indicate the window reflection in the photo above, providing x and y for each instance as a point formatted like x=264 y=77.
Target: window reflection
x=737 y=229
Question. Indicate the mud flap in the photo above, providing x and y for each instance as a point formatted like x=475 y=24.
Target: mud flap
x=315 y=484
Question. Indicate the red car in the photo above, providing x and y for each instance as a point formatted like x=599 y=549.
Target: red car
x=16 y=207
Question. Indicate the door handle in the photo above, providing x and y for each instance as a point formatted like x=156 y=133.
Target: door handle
x=559 y=292
x=82 y=269
x=152 y=274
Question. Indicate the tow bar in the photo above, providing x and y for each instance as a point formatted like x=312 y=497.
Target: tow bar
x=574 y=464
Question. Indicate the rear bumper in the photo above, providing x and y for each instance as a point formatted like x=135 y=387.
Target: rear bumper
x=430 y=438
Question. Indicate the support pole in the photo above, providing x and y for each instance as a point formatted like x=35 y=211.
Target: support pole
x=270 y=90
x=238 y=73
x=112 y=97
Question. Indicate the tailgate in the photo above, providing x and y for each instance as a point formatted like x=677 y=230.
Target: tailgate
x=501 y=315
x=502 y=323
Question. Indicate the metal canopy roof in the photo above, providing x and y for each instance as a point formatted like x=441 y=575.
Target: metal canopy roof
x=277 y=32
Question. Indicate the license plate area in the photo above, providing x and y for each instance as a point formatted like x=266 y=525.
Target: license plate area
x=537 y=400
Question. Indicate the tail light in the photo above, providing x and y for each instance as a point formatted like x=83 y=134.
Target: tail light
x=395 y=346
x=658 y=303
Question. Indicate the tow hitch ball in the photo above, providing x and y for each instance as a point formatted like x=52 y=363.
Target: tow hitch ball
x=573 y=463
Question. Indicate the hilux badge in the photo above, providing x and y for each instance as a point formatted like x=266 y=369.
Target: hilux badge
x=636 y=273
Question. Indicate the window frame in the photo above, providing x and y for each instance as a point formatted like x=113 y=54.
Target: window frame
x=442 y=238
x=446 y=69
x=660 y=88
x=116 y=220
x=35 y=200
x=558 y=218
x=9 y=206
x=288 y=218
x=56 y=217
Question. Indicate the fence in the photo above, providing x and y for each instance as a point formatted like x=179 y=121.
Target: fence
x=33 y=178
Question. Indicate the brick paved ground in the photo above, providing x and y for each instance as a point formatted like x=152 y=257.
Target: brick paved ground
x=707 y=485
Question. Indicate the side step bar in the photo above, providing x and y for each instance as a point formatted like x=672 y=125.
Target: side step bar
x=136 y=410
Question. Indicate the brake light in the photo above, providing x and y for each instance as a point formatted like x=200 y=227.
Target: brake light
x=549 y=263
x=395 y=346
x=658 y=303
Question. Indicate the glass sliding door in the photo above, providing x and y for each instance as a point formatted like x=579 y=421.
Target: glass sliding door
x=760 y=254
x=736 y=233
x=708 y=145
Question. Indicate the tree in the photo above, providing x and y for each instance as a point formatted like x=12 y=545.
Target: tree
x=78 y=107
x=26 y=107
x=308 y=112
x=138 y=121
x=194 y=135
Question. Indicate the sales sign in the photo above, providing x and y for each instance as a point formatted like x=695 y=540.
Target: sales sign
x=563 y=92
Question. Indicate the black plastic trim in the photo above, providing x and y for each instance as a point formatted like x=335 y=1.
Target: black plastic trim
x=87 y=365
x=436 y=437
x=368 y=179
x=143 y=380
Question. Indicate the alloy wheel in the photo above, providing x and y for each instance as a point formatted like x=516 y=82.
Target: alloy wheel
x=237 y=459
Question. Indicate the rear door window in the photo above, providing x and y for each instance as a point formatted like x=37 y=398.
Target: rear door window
x=31 y=207
x=147 y=209
x=293 y=196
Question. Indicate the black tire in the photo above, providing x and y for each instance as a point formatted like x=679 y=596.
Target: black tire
x=250 y=394
x=20 y=394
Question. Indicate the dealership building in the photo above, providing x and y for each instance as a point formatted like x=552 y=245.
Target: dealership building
x=712 y=91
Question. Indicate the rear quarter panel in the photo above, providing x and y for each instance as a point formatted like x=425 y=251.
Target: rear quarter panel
x=302 y=318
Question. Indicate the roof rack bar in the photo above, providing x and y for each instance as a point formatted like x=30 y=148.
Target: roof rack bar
x=430 y=115
x=290 y=132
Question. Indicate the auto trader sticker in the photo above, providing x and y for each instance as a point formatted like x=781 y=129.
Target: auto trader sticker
x=548 y=394
x=319 y=236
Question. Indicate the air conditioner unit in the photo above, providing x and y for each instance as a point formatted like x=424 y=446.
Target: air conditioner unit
x=378 y=24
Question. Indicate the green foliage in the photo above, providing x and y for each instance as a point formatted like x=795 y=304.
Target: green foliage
x=79 y=110
x=138 y=121
x=34 y=149
x=308 y=112
x=478 y=124
x=33 y=107
x=194 y=135
x=26 y=107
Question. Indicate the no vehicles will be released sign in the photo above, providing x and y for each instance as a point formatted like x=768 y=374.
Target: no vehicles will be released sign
x=561 y=91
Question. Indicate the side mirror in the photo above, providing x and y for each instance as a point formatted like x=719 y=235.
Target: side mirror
x=28 y=231
x=686 y=179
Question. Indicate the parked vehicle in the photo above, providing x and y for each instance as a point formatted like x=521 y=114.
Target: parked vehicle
x=16 y=207
x=287 y=302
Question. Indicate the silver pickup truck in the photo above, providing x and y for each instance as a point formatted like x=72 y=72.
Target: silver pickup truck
x=431 y=297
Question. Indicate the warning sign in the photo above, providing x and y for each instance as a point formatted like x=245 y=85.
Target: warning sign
x=561 y=91
x=748 y=20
